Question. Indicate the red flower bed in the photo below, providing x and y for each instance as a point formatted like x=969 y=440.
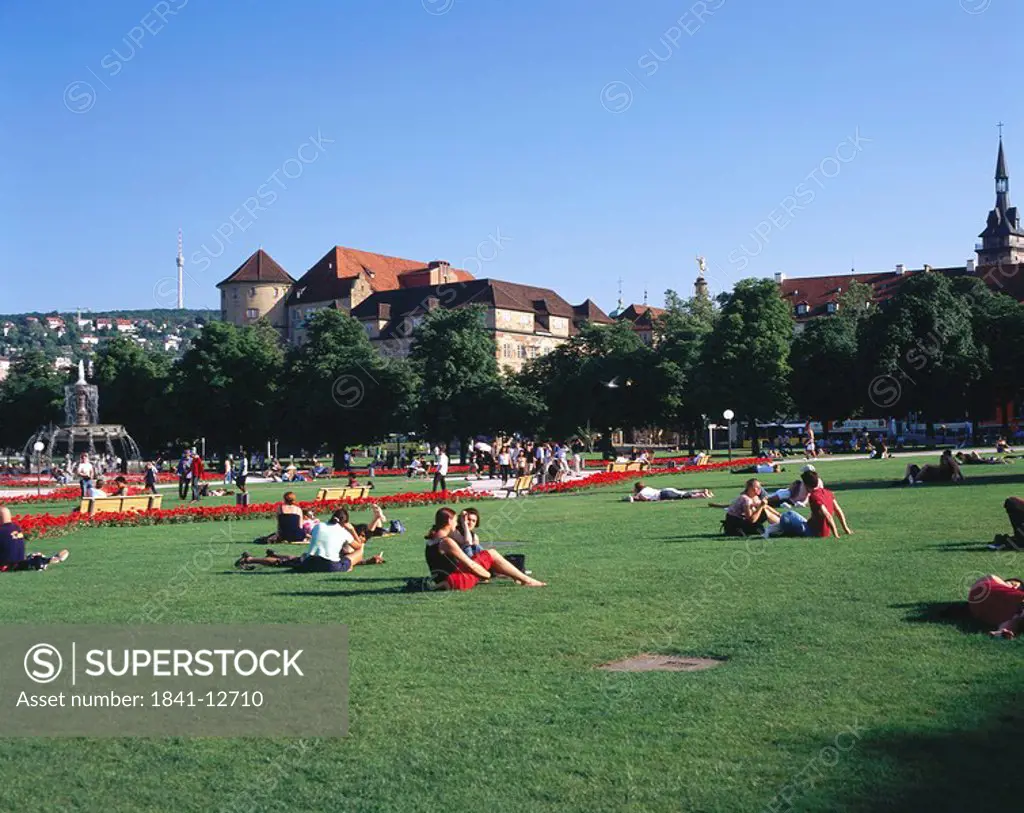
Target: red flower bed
x=607 y=478
x=62 y=494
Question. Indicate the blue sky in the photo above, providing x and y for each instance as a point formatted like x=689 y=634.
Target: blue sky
x=564 y=143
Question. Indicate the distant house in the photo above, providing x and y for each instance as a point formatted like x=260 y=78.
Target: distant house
x=90 y=340
x=31 y=320
x=62 y=363
x=644 y=320
x=83 y=324
x=172 y=343
x=5 y=367
x=7 y=327
x=104 y=323
x=55 y=323
x=125 y=325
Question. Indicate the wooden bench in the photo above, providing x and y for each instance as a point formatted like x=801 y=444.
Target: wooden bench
x=634 y=465
x=521 y=485
x=116 y=505
x=333 y=494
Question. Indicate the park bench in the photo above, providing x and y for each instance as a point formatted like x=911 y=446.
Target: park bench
x=333 y=494
x=521 y=485
x=634 y=465
x=115 y=505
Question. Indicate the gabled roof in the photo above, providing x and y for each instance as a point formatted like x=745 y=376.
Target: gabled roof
x=333 y=274
x=259 y=267
x=641 y=315
x=588 y=311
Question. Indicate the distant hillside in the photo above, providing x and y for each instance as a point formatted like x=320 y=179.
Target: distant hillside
x=169 y=315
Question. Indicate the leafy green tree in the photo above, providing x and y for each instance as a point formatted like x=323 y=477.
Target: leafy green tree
x=455 y=358
x=603 y=378
x=341 y=390
x=31 y=396
x=824 y=358
x=679 y=338
x=227 y=384
x=134 y=388
x=922 y=351
x=745 y=360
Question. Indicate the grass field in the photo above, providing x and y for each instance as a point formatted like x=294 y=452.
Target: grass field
x=490 y=700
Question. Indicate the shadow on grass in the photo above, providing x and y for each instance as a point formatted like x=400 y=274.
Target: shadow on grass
x=953 y=613
x=971 y=480
x=949 y=770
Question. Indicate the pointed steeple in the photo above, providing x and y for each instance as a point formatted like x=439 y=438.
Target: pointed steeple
x=1002 y=178
x=1001 y=163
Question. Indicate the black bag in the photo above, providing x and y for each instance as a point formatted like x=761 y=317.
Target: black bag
x=517 y=560
x=242 y=498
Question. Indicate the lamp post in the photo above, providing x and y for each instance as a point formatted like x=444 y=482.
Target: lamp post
x=38 y=447
x=729 y=415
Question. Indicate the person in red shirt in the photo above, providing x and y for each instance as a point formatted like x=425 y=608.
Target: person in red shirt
x=197 y=476
x=825 y=509
x=998 y=603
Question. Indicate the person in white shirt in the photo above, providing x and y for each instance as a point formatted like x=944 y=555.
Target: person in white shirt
x=642 y=493
x=85 y=471
x=334 y=547
x=440 y=483
x=97 y=490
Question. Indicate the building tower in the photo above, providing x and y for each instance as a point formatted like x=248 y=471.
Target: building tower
x=1002 y=242
x=181 y=274
x=700 y=285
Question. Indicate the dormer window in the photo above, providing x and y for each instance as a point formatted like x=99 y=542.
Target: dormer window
x=802 y=309
x=832 y=307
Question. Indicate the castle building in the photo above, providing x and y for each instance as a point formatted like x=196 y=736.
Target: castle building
x=256 y=290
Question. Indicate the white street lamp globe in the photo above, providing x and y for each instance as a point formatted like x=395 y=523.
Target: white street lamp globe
x=728 y=414
x=38 y=446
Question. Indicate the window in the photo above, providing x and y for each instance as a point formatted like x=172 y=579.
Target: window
x=531 y=352
x=252 y=313
x=832 y=307
x=522 y=352
x=801 y=309
x=234 y=294
x=252 y=292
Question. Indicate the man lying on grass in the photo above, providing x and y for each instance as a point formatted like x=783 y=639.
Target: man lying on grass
x=334 y=547
x=642 y=493
x=452 y=569
x=947 y=471
x=12 y=548
x=998 y=603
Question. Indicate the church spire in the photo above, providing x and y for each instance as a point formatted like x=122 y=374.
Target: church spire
x=1002 y=177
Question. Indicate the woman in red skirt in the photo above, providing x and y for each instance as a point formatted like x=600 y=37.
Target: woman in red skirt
x=452 y=569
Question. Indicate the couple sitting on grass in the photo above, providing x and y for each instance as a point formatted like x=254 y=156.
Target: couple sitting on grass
x=335 y=546
x=752 y=512
x=295 y=526
x=456 y=559
x=947 y=471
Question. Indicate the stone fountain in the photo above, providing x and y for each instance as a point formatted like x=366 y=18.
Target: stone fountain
x=83 y=432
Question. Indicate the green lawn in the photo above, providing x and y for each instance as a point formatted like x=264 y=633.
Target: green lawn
x=489 y=700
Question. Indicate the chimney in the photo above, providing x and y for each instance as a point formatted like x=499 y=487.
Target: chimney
x=900 y=269
x=780 y=277
x=927 y=268
x=970 y=266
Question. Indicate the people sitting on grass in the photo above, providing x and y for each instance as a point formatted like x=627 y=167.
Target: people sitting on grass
x=825 y=511
x=760 y=468
x=416 y=469
x=947 y=471
x=748 y=513
x=289 y=523
x=377 y=526
x=465 y=533
x=12 y=548
x=999 y=603
x=881 y=451
x=1014 y=507
x=452 y=569
x=309 y=521
x=333 y=548
x=972 y=458
x=796 y=493
x=1002 y=447
x=642 y=493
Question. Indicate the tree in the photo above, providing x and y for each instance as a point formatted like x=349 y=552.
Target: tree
x=226 y=385
x=921 y=350
x=31 y=396
x=679 y=337
x=133 y=390
x=745 y=360
x=341 y=391
x=601 y=379
x=857 y=302
x=824 y=358
x=455 y=358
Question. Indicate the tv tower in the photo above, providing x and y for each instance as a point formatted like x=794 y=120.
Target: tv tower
x=181 y=274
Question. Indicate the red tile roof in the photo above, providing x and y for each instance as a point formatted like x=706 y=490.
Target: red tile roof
x=333 y=275
x=817 y=292
x=259 y=267
x=642 y=316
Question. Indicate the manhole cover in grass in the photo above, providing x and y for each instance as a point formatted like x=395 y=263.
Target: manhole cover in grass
x=662 y=663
